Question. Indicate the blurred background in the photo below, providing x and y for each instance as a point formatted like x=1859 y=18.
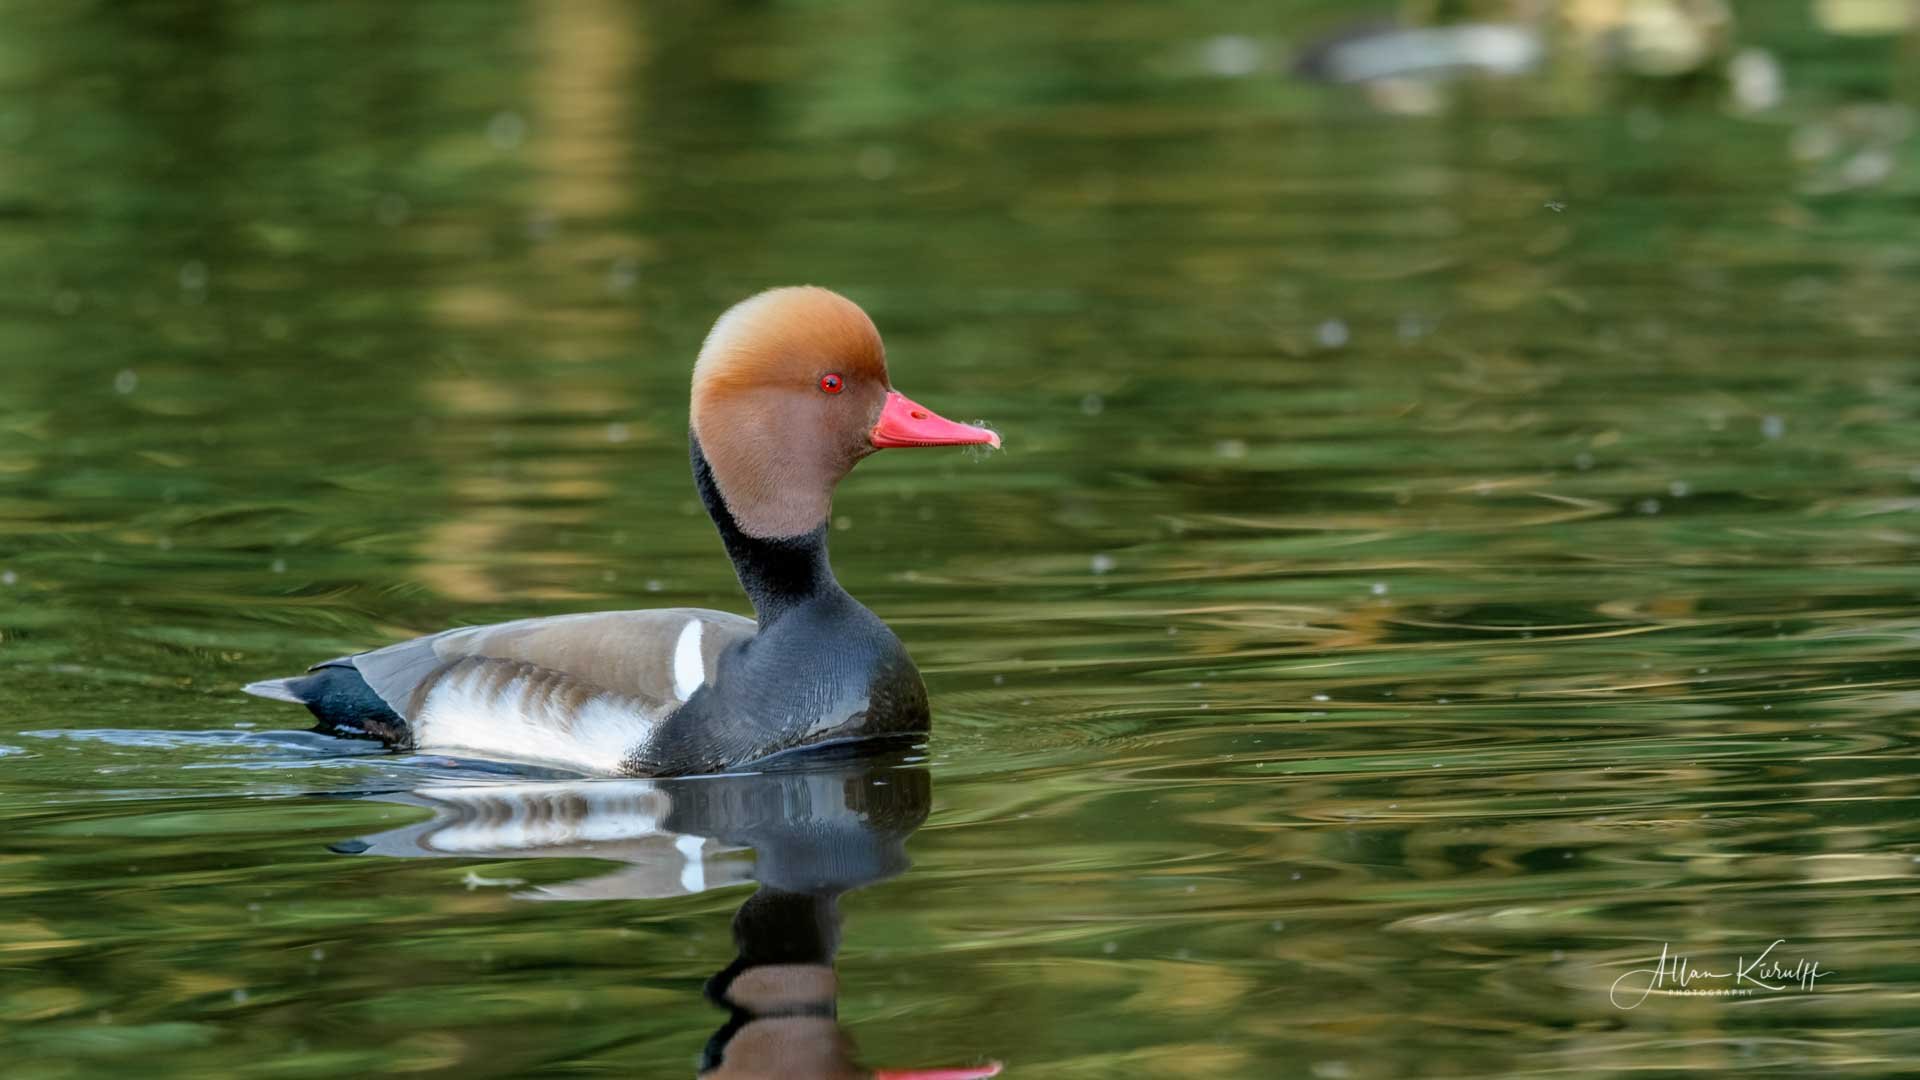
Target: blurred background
x=1456 y=532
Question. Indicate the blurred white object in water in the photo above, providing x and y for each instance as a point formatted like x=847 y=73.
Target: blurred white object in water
x=1398 y=52
x=1869 y=167
x=1866 y=17
x=1660 y=38
x=1755 y=80
x=1232 y=55
x=1854 y=146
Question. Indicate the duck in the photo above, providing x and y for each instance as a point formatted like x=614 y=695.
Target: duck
x=790 y=391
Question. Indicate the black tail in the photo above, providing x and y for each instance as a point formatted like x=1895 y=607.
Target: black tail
x=341 y=700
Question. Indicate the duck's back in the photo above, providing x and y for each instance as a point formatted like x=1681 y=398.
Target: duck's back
x=585 y=691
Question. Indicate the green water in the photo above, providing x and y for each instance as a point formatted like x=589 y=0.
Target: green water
x=1437 y=560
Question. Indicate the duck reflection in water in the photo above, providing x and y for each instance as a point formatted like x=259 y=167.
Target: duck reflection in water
x=815 y=832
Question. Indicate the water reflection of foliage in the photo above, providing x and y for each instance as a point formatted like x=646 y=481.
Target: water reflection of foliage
x=1254 y=346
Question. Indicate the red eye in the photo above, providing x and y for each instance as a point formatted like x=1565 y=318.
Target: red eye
x=830 y=384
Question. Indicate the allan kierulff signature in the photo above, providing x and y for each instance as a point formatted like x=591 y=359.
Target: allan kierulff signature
x=1674 y=976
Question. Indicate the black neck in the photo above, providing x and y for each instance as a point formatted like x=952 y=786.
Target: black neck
x=777 y=573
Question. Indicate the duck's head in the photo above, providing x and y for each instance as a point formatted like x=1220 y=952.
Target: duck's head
x=789 y=393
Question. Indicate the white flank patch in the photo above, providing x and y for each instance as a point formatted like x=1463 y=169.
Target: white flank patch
x=519 y=724
x=693 y=876
x=689 y=671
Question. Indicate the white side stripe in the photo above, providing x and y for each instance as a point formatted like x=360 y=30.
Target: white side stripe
x=689 y=671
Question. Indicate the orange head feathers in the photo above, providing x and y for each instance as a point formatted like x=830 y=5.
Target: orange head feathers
x=790 y=391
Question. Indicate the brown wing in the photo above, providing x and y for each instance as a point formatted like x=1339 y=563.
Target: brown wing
x=642 y=656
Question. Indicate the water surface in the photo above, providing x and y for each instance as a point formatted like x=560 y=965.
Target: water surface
x=1439 y=558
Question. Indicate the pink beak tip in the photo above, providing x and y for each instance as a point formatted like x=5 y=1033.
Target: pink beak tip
x=903 y=422
x=975 y=1072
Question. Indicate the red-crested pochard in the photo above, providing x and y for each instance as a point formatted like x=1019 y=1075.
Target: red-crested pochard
x=790 y=391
